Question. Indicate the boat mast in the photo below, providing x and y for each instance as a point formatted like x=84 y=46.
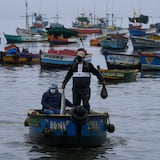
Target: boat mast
x=27 y=16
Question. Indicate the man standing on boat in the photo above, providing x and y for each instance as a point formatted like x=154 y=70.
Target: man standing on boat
x=81 y=71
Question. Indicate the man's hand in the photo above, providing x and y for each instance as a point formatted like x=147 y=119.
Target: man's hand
x=104 y=82
x=51 y=108
x=63 y=86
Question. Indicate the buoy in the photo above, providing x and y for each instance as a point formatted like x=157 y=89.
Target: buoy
x=26 y=122
x=47 y=132
x=110 y=128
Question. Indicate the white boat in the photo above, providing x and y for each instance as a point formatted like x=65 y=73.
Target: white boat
x=61 y=58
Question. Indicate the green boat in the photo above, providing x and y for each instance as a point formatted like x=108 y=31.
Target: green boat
x=19 y=39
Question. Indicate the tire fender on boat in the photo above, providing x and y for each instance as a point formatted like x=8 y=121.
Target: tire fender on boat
x=26 y=122
x=79 y=115
x=110 y=128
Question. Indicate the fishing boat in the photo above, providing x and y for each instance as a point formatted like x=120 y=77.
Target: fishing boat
x=34 y=33
x=62 y=36
x=72 y=128
x=60 y=40
x=150 y=61
x=38 y=26
x=20 y=39
x=115 y=42
x=60 y=58
x=84 y=25
x=112 y=76
x=13 y=55
x=145 y=43
x=121 y=60
x=136 y=28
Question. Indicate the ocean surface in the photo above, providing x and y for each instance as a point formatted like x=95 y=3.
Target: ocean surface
x=134 y=109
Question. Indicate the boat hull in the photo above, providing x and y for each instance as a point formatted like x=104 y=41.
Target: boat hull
x=145 y=43
x=64 y=131
x=13 y=55
x=150 y=62
x=118 y=75
x=58 y=60
x=20 y=59
x=88 y=30
x=21 y=39
x=122 y=61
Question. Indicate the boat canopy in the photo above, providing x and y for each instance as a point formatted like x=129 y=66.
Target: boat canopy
x=59 y=31
x=140 y=19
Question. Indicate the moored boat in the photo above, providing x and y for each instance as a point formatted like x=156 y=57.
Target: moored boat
x=150 y=61
x=122 y=60
x=60 y=58
x=13 y=55
x=118 y=75
x=145 y=43
x=61 y=40
x=84 y=25
x=115 y=42
x=62 y=36
x=20 y=39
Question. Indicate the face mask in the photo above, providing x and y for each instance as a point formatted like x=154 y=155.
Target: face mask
x=79 y=59
x=52 y=91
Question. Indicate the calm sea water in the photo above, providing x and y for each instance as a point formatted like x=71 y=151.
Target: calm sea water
x=133 y=108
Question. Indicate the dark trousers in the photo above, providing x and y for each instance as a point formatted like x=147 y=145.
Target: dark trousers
x=81 y=94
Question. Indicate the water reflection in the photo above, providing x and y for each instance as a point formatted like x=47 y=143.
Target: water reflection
x=105 y=152
x=150 y=74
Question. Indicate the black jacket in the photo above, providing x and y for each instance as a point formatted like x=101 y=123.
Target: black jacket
x=82 y=82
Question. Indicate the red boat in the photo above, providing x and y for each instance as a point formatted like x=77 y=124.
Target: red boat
x=88 y=30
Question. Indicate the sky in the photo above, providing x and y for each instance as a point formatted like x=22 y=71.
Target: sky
x=70 y=9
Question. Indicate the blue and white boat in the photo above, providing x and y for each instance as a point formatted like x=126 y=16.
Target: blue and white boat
x=60 y=58
x=150 y=61
x=121 y=60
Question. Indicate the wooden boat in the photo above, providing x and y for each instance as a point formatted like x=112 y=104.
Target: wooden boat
x=115 y=42
x=83 y=25
x=13 y=55
x=74 y=128
x=20 y=39
x=136 y=28
x=61 y=40
x=87 y=30
x=118 y=75
x=38 y=26
x=122 y=60
x=95 y=41
x=62 y=36
x=144 y=43
x=150 y=61
x=60 y=58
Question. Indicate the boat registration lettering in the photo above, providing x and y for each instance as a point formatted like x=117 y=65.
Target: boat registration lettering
x=116 y=74
x=53 y=56
x=59 y=125
x=93 y=125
